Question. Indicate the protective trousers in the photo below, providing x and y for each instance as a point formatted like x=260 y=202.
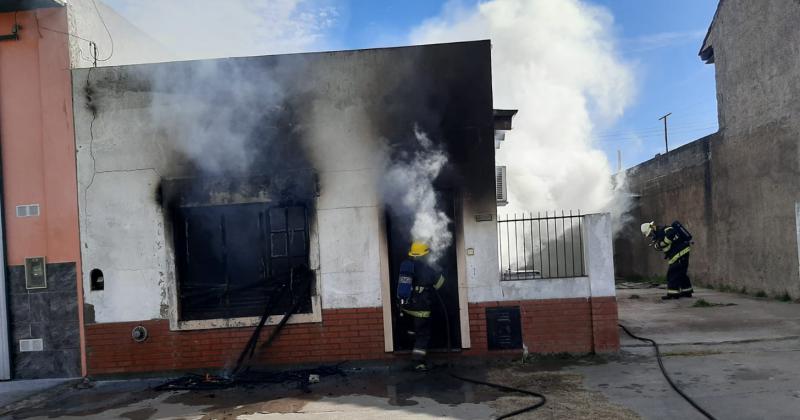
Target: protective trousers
x=422 y=338
x=678 y=278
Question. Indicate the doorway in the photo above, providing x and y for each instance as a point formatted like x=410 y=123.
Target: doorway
x=445 y=313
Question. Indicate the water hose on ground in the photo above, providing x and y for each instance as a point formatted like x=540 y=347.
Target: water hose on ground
x=666 y=375
x=505 y=388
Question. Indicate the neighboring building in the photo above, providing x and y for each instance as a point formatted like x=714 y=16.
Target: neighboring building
x=188 y=193
x=735 y=190
x=39 y=181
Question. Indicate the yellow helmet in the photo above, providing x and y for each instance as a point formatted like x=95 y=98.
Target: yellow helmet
x=418 y=249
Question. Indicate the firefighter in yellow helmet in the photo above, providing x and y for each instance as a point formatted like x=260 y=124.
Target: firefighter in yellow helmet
x=675 y=242
x=416 y=288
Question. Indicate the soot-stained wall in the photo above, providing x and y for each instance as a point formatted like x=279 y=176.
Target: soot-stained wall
x=322 y=126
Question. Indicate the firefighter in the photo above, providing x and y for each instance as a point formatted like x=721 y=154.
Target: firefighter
x=675 y=242
x=417 y=287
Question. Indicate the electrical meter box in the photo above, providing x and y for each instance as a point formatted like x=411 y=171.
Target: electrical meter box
x=503 y=328
x=35 y=273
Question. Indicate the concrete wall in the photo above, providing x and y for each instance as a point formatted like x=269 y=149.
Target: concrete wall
x=38 y=163
x=598 y=282
x=673 y=186
x=352 y=101
x=744 y=210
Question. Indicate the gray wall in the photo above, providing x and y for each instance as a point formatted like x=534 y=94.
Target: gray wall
x=740 y=200
x=50 y=314
x=674 y=186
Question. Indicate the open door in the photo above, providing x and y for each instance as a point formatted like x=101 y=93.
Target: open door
x=446 y=311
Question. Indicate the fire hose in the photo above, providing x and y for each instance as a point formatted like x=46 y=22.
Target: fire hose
x=666 y=375
x=505 y=388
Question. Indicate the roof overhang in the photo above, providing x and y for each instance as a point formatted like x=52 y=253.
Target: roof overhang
x=503 y=117
x=20 y=5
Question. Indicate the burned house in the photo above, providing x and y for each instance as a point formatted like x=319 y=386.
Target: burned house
x=203 y=186
x=154 y=213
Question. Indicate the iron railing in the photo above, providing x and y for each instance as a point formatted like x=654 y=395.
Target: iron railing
x=541 y=247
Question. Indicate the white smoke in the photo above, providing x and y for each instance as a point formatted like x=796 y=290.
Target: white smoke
x=212 y=112
x=621 y=203
x=555 y=61
x=196 y=29
x=408 y=183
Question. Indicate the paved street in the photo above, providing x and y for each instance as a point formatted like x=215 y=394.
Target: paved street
x=739 y=358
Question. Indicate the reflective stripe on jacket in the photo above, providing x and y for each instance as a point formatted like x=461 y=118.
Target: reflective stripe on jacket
x=680 y=254
x=418 y=314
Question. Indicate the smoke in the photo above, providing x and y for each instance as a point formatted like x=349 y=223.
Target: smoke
x=555 y=61
x=212 y=110
x=622 y=202
x=409 y=191
x=194 y=29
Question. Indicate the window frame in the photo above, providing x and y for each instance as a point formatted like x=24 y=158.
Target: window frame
x=177 y=324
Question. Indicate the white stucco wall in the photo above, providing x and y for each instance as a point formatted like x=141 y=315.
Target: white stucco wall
x=599 y=280
x=122 y=158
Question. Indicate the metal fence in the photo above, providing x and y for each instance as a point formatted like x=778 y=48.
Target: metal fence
x=541 y=247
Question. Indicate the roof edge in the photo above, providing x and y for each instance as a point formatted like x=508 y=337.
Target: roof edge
x=706 y=52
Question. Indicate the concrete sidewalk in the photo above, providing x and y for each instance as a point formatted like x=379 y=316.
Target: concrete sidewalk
x=362 y=394
x=13 y=391
x=740 y=359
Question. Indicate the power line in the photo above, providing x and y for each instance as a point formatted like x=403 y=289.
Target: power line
x=658 y=128
x=655 y=135
x=110 y=38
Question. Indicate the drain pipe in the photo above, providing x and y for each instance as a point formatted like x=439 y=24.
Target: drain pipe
x=5 y=355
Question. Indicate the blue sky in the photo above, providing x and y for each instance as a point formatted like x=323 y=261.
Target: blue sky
x=660 y=40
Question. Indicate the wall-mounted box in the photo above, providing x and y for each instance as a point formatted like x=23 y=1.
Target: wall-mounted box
x=35 y=273
x=503 y=328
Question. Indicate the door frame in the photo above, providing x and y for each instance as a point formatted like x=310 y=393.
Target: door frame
x=461 y=270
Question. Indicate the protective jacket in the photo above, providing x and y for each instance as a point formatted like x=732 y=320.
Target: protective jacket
x=667 y=240
x=426 y=282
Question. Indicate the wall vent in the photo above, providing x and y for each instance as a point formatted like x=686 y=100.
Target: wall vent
x=501 y=191
x=28 y=210
x=503 y=328
x=35 y=344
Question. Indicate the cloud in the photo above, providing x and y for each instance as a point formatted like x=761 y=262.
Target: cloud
x=660 y=40
x=555 y=61
x=194 y=29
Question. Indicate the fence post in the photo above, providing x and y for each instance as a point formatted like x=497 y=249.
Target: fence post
x=599 y=254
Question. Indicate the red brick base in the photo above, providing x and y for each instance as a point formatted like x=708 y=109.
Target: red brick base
x=555 y=325
x=344 y=334
x=548 y=326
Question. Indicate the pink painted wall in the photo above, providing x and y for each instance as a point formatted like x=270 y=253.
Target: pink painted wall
x=38 y=144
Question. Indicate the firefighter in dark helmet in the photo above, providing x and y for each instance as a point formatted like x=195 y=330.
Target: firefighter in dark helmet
x=416 y=289
x=675 y=242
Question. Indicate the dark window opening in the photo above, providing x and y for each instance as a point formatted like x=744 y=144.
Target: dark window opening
x=232 y=258
x=97 y=282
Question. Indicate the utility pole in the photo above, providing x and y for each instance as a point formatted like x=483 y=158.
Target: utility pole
x=666 y=141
